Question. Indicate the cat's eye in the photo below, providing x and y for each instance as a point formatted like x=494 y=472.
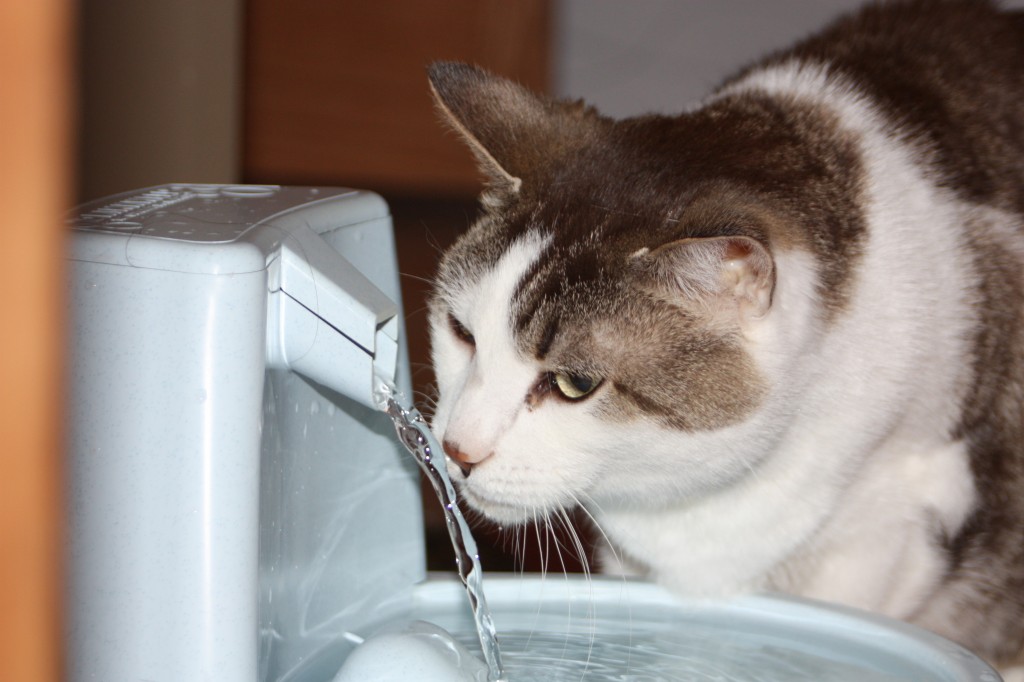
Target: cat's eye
x=460 y=331
x=574 y=386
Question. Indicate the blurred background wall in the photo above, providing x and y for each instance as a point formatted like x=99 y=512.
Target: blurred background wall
x=630 y=58
x=334 y=91
x=160 y=87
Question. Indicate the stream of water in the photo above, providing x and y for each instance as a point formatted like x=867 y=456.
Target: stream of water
x=416 y=436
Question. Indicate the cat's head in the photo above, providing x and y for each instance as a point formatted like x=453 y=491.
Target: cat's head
x=604 y=333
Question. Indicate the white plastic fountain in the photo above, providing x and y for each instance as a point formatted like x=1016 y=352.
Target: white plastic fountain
x=240 y=510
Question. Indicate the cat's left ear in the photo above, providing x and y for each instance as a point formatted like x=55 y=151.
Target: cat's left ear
x=719 y=273
x=513 y=132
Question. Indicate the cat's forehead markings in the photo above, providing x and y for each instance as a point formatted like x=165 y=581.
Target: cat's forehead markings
x=491 y=305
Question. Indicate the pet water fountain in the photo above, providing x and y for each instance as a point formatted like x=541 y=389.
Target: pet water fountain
x=240 y=510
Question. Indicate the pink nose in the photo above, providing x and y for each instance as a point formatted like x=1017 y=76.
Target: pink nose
x=461 y=459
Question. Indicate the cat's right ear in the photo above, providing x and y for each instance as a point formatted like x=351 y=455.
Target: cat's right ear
x=512 y=132
x=730 y=275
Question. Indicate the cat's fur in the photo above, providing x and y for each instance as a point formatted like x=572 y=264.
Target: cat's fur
x=805 y=301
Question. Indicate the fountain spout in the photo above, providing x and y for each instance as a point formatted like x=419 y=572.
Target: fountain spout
x=326 y=320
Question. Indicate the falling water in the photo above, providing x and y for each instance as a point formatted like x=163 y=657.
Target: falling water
x=414 y=433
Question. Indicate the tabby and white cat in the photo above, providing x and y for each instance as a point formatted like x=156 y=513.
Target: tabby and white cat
x=775 y=342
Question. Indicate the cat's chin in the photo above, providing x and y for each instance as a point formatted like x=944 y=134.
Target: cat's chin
x=499 y=511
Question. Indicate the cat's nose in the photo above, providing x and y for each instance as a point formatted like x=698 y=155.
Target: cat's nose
x=461 y=459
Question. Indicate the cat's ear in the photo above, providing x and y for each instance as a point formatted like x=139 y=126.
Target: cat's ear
x=716 y=272
x=512 y=131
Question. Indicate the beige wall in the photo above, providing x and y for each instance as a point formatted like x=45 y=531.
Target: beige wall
x=629 y=58
x=160 y=87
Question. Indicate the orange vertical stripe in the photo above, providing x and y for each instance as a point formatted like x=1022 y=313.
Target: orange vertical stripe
x=35 y=46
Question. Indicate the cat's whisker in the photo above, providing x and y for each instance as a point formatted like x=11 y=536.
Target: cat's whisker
x=424 y=400
x=609 y=546
x=517 y=555
x=431 y=240
x=428 y=410
x=587 y=571
x=562 y=516
x=552 y=533
x=540 y=548
x=417 y=311
x=505 y=537
x=591 y=606
x=584 y=558
x=552 y=542
x=511 y=535
x=417 y=278
x=417 y=370
x=521 y=548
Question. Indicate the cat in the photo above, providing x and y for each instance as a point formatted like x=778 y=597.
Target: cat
x=775 y=342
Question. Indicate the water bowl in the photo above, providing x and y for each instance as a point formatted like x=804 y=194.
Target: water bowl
x=556 y=629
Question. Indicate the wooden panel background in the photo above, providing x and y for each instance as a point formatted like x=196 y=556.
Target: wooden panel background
x=159 y=93
x=336 y=92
